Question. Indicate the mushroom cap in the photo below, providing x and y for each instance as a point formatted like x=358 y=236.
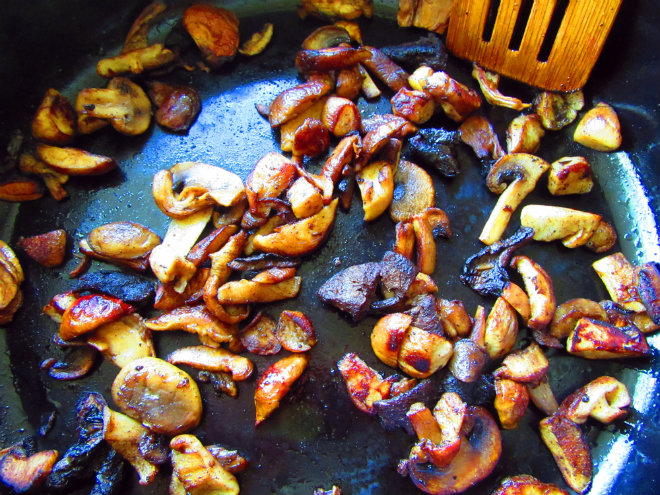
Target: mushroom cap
x=138 y=114
x=521 y=167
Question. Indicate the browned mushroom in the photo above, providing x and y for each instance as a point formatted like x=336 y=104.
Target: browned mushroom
x=527 y=365
x=135 y=61
x=30 y=164
x=47 y=249
x=123 y=340
x=618 y=275
x=258 y=42
x=178 y=107
x=364 y=385
x=599 y=129
x=501 y=329
x=528 y=485
x=647 y=277
x=557 y=110
x=295 y=331
x=213 y=359
x=604 y=399
x=344 y=10
x=329 y=59
x=194 y=319
x=539 y=287
x=570 y=175
x=24 y=470
x=293 y=101
x=478 y=133
x=573 y=227
x=524 y=134
x=414 y=192
x=276 y=382
x=511 y=401
x=156 y=393
x=55 y=119
x=214 y=30
x=489 y=82
x=74 y=161
x=90 y=312
x=568 y=313
x=594 y=339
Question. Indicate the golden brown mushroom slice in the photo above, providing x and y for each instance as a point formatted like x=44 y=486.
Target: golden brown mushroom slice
x=557 y=110
x=524 y=134
x=513 y=177
x=618 y=275
x=122 y=240
x=55 y=119
x=248 y=291
x=332 y=9
x=293 y=101
x=74 y=161
x=341 y=116
x=30 y=164
x=295 y=331
x=511 y=401
x=570 y=175
x=480 y=450
x=489 y=82
x=159 y=395
x=124 y=340
x=422 y=353
x=570 y=450
x=213 y=359
x=568 y=313
x=198 y=470
x=594 y=339
x=258 y=42
x=527 y=365
x=194 y=319
x=125 y=435
x=414 y=192
x=135 y=61
x=214 y=30
x=47 y=249
x=573 y=227
x=604 y=399
x=501 y=329
x=540 y=290
x=376 y=184
x=524 y=484
x=276 y=382
x=599 y=129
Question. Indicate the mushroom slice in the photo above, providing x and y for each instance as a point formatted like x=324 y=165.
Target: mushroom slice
x=193 y=319
x=301 y=237
x=599 y=129
x=293 y=101
x=258 y=337
x=378 y=137
x=125 y=435
x=489 y=82
x=604 y=399
x=213 y=359
x=501 y=329
x=156 y=393
x=455 y=319
x=416 y=106
x=231 y=460
x=310 y=139
x=295 y=331
x=47 y=249
x=387 y=337
x=24 y=471
x=29 y=164
x=527 y=485
x=269 y=178
x=352 y=289
x=126 y=106
x=413 y=192
x=167 y=260
x=404 y=242
x=328 y=59
x=457 y=100
x=203 y=185
x=571 y=452
x=570 y=175
x=376 y=183
x=423 y=353
x=524 y=134
x=249 y=291
x=7 y=313
x=258 y=42
x=350 y=81
x=276 y=382
x=478 y=133
x=74 y=161
x=55 y=119
x=331 y=9
x=573 y=227
x=480 y=450
x=557 y=110
x=647 y=277
x=178 y=107
x=364 y=385
x=518 y=299
x=21 y=190
x=90 y=312
x=511 y=401
x=135 y=61
x=138 y=34
x=122 y=240
x=380 y=65
x=538 y=285
x=618 y=275
x=527 y=365
x=524 y=171
x=341 y=116
x=306 y=200
x=77 y=362
x=325 y=37
x=594 y=339
x=198 y=470
x=214 y=30
x=421 y=286
x=568 y=313
x=542 y=396
x=485 y=271
x=123 y=340
x=603 y=239
x=468 y=360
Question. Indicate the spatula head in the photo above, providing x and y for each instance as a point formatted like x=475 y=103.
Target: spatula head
x=550 y=44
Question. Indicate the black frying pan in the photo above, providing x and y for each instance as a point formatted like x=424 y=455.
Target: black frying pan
x=318 y=438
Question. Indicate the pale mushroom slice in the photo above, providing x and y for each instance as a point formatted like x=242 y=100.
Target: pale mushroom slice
x=501 y=329
x=489 y=82
x=376 y=184
x=123 y=340
x=524 y=134
x=524 y=171
x=599 y=129
x=414 y=192
x=618 y=275
x=573 y=227
x=168 y=259
x=135 y=61
x=203 y=185
x=213 y=359
x=540 y=290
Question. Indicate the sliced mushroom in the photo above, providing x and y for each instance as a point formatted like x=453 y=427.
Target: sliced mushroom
x=527 y=365
x=194 y=319
x=570 y=175
x=178 y=106
x=329 y=59
x=350 y=81
x=325 y=37
x=203 y=185
x=523 y=171
x=571 y=452
x=306 y=200
x=258 y=337
x=542 y=396
x=258 y=42
x=524 y=134
x=604 y=399
x=213 y=359
x=511 y=401
x=23 y=470
x=30 y=164
x=341 y=116
x=573 y=227
x=156 y=393
x=387 y=337
x=295 y=331
x=599 y=129
x=376 y=184
x=123 y=340
x=90 y=312
x=480 y=450
x=77 y=362
x=557 y=110
x=293 y=101
x=55 y=119
x=489 y=82
x=21 y=190
x=135 y=61
x=47 y=249
x=379 y=64
x=568 y=313
x=594 y=339
x=214 y=30
x=125 y=434
x=198 y=470
x=414 y=192
x=478 y=133
x=122 y=240
x=250 y=291
x=436 y=148
x=647 y=277
x=433 y=16
x=528 y=485
x=539 y=287
x=416 y=106
x=343 y=10
x=271 y=175
x=276 y=382
x=74 y=161
x=364 y=385
x=423 y=353
x=501 y=329
x=618 y=275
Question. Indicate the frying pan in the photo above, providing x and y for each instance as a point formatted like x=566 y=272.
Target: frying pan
x=317 y=438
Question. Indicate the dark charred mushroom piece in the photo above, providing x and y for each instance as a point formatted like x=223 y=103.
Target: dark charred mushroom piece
x=427 y=50
x=392 y=411
x=78 y=461
x=352 y=290
x=178 y=107
x=130 y=288
x=222 y=382
x=648 y=287
x=397 y=273
x=263 y=261
x=480 y=450
x=110 y=475
x=436 y=148
x=425 y=315
x=485 y=272
x=478 y=393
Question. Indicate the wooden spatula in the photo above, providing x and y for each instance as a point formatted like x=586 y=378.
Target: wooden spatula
x=572 y=49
